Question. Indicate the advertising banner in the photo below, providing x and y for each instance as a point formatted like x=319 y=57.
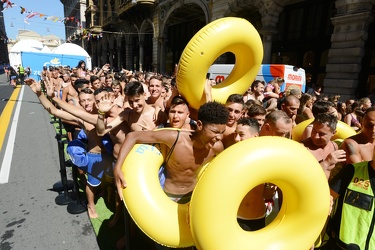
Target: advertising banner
x=37 y=60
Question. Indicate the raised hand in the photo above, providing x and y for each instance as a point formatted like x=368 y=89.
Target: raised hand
x=336 y=157
x=106 y=67
x=50 y=89
x=33 y=84
x=105 y=104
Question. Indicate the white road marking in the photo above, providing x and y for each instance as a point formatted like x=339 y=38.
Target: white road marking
x=5 y=167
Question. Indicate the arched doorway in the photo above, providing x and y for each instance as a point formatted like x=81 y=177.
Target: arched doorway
x=182 y=24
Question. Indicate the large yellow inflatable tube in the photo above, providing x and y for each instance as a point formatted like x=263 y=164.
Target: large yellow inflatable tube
x=243 y=166
x=343 y=130
x=163 y=220
x=230 y=34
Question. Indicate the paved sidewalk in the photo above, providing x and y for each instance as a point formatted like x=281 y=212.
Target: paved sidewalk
x=29 y=216
x=3 y=79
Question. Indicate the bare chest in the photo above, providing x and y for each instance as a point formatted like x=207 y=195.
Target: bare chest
x=143 y=122
x=366 y=151
x=321 y=153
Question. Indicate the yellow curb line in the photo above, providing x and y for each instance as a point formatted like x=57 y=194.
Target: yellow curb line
x=7 y=114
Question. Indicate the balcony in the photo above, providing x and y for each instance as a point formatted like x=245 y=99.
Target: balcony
x=95 y=29
x=112 y=19
x=131 y=3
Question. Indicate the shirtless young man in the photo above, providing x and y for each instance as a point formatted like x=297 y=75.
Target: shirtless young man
x=56 y=81
x=257 y=112
x=155 y=88
x=98 y=158
x=251 y=212
x=95 y=82
x=81 y=84
x=192 y=149
x=320 y=145
x=139 y=118
x=178 y=115
x=360 y=147
x=234 y=105
x=117 y=134
x=45 y=74
x=69 y=94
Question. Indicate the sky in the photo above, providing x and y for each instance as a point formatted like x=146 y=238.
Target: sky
x=14 y=20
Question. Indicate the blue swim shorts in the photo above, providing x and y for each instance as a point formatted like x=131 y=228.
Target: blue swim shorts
x=94 y=169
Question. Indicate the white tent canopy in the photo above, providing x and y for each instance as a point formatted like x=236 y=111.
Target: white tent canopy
x=27 y=45
x=73 y=49
x=46 y=50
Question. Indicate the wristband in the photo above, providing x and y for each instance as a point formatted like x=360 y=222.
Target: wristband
x=101 y=113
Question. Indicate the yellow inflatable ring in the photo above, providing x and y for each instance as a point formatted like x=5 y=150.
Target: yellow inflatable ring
x=343 y=130
x=230 y=34
x=163 y=220
x=241 y=167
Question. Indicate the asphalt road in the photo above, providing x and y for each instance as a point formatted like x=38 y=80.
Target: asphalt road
x=5 y=92
x=29 y=215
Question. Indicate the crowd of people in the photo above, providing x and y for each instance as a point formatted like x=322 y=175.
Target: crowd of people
x=112 y=111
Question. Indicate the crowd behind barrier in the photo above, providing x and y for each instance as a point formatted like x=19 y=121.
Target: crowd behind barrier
x=105 y=112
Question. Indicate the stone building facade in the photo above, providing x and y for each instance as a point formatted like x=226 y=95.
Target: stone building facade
x=75 y=10
x=331 y=39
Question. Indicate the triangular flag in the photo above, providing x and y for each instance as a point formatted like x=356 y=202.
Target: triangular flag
x=31 y=15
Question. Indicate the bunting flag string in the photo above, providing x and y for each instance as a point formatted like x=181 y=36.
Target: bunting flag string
x=8 y=4
x=31 y=14
x=86 y=34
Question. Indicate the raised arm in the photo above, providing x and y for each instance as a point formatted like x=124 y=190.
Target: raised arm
x=76 y=111
x=105 y=105
x=163 y=136
x=36 y=88
x=73 y=110
x=105 y=68
x=208 y=90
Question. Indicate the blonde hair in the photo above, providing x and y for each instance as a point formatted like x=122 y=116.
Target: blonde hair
x=277 y=80
x=293 y=90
